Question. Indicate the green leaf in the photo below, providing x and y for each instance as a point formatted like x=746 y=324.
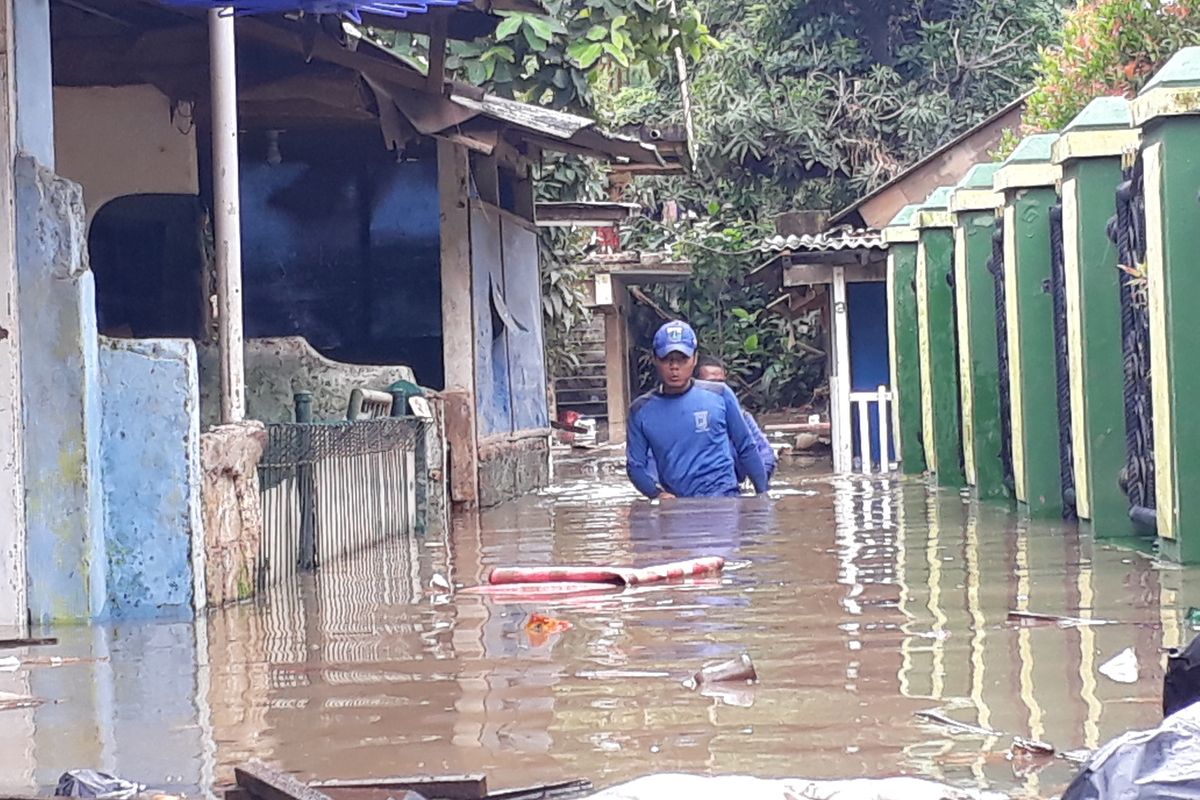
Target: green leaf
x=585 y=53
x=536 y=43
x=507 y=27
x=616 y=53
x=740 y=313
x=541 y=27
x=751 y=344
x=597 y=33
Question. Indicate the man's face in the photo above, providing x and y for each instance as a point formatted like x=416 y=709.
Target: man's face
x=675 y=370
x=711 y=373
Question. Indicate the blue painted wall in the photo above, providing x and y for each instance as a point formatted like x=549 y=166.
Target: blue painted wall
x=150 y=457
x=61 y=393
x=866 y=307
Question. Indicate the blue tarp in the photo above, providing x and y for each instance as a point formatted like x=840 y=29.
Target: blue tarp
x=348 y=8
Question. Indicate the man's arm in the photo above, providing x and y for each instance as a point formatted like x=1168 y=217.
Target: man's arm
x=765 y=451
x=744 y=447
x=637 y=458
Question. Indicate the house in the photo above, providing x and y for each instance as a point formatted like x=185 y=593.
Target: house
x=371 y=222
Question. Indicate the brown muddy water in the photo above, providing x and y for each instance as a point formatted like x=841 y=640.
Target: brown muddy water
x=861 y=603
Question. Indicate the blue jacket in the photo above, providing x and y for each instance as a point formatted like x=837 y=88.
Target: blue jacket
x=765 y=451
x=697 y=440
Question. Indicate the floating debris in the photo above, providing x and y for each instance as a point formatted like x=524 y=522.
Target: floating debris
x=1032 y=747
x=1122 y=668
x=10 y=701
x=735 y=669
x=1057 y=619
x=939 y=718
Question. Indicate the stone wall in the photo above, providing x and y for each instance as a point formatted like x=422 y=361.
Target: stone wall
x=150 y=467
x=510 y=469
x=232 y=509
x=276 y=369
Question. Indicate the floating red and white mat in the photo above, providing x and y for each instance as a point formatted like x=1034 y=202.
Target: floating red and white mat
x=612 y=576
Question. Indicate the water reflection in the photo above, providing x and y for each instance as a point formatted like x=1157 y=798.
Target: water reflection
x=861 y=602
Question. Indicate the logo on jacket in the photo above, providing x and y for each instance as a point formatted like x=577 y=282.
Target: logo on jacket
x=701 y=421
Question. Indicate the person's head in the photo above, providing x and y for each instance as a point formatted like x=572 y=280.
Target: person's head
x=710 y=368
x=675 y=355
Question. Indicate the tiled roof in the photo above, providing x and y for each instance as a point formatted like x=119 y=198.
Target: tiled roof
x=841 y=238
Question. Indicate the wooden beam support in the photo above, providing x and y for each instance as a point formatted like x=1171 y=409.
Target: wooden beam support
x=435 y=79
x=616 y=362
x=458 y=327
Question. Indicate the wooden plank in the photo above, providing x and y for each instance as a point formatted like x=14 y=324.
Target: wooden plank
x=616 y=364
x=444 y=787
x=9 y=644
x=265 y=783
x=458 y=332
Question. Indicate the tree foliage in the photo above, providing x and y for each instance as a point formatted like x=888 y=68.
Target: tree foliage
x=1105 y=47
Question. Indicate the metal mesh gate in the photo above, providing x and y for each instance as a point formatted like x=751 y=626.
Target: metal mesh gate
x=330 y=489
x=996 y=269
x=1128 y=231
x=1062 y=361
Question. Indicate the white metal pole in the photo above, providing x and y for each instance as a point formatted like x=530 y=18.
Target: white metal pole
x=864 y=433
x=885 y=460
x=843 y=447
x=227 y=224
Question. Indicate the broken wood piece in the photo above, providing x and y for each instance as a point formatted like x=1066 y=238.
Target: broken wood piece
x=962 y=727
x=10 y=644
x=735 y=669
x=1058 y=619
x=1032 y=746
x=10 y=701
x=563 y=790
x=448 y=787
x=264 y=783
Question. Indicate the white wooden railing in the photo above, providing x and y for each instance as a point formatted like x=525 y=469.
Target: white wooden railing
x=860 y=405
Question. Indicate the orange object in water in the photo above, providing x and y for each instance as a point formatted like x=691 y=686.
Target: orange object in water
x=539 y=628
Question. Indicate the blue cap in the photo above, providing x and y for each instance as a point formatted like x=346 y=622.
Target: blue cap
x=675 y=337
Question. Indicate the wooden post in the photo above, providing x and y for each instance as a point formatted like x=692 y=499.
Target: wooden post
x=13 y=601
x=904 y=351
x=616 y=362
x=227 y=223
x=974 y=205
x=458 y=328
x=938 y=340
x=839 y=378
x=1168 y=110
x=1089 y=152
x=435 y=78
x=1027 y=180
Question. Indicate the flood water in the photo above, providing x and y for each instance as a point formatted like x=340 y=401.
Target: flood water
x=861 y=603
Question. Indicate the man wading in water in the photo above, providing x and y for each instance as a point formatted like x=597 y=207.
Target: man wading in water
x=694 y=429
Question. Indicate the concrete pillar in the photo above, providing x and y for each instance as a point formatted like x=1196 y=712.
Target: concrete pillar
x=839 y=378
x=1089 y=152
x=59 y=354
x=974 y=205
x=1027 y=180
x=904 y=351
x=13 y=598
x=940 y=428
x=1168 y=111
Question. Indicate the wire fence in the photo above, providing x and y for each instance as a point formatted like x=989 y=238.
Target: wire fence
x=332 y=489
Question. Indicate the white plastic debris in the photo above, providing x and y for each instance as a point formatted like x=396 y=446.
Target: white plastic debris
x=699 y=787
x=439 y=582
x=1122 y=668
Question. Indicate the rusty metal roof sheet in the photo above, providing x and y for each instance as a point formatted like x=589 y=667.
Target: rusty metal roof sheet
x=840 y=238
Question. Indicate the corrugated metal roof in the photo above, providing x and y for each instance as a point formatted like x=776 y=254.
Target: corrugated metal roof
x=841 y=238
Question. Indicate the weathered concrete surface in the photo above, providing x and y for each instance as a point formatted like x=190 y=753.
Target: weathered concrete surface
x=150 y=460
x=509 y=469
x=13 y=606
x=277 y=368
x=232 y=511
x=60 y=372
x=433 y=498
